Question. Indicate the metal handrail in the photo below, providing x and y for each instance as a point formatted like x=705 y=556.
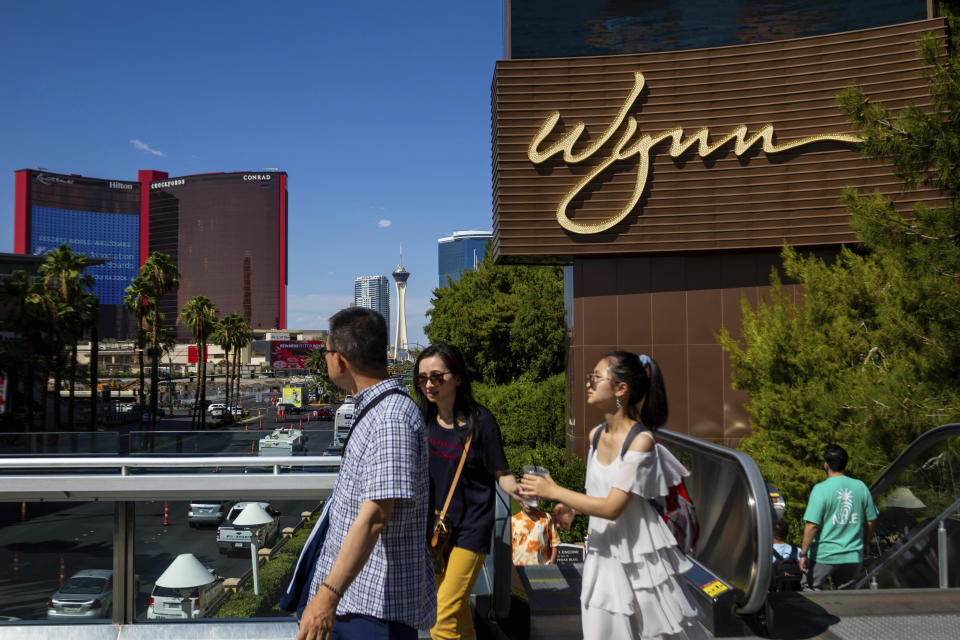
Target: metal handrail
x=758 y=586
x=923 y=532
x=911 y=453
x=124 y=485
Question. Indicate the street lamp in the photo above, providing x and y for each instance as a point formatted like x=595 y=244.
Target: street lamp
x=252 y=516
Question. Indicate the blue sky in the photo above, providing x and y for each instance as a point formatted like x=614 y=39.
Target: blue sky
x=378 y=111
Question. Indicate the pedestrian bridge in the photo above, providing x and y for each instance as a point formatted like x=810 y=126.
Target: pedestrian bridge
x=910 y=588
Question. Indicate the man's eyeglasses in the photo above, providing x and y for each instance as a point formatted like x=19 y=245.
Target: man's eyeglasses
x=436 y=378
x=324 y=351
x=593 y=379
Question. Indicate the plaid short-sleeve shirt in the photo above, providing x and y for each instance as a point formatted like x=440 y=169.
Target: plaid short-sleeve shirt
x=386 y=458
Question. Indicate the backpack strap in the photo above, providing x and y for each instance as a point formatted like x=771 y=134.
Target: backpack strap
x=794 y=553
x=597 y=434
x=635 y=430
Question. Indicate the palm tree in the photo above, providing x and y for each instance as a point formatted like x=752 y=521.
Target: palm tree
x=199 y=315
x=21 y=313
x=241 y=338
x=62 y=273
x=137 y=300
x=161 y=277
x=223 y=338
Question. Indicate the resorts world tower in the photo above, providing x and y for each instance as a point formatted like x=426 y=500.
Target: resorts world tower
x=225 y=232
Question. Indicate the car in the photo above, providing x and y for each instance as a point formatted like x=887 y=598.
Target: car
x=240 y=412
x=217 y=406
x=334 y=449
x=218 y=412
x=325 y=413
x=86 y=594
x=208 y=512
x=287 y=407
x=348 y=399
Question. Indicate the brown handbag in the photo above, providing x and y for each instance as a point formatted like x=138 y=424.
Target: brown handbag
x=440 y=540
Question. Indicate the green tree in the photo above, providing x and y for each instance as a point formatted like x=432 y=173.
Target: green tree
x=62 y=275
x=137 y=301
x=508 y=320
x=199 y=316
x=871 y=357
x=160 y=277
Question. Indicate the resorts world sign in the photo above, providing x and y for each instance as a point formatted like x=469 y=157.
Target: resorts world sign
x=725 y=149
x=631 y=144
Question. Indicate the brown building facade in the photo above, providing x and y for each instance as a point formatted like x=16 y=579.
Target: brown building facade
x=670 y=181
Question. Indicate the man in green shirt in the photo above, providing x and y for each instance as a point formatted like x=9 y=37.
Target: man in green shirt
x=840 y=518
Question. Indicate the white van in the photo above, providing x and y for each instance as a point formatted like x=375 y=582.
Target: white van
x=189 y=602
x=343 y=421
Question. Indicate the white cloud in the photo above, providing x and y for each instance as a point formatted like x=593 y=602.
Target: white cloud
x=384 y=223
x=143 y=146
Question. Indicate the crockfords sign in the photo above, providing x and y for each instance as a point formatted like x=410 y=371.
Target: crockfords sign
x=630 y=145
x=163 y=184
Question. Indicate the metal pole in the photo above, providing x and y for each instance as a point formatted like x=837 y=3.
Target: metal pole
x=253 y=559
x=124 y=580
x=942 y=555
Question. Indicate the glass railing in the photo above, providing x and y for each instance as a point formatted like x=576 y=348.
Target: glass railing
x=88 y=539
x=918 y=529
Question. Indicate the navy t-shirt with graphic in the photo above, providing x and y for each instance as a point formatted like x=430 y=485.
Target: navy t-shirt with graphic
x=471 y=510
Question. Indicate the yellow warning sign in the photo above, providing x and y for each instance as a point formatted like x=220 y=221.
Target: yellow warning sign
x=714 y=588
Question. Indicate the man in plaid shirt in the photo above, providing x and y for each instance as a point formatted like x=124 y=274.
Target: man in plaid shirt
x=373 y=578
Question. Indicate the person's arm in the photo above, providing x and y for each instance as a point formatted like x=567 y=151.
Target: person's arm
x=609 y=507
x=809 y=533
x=868 y=537
x=508 y=482
x=553 y=555
x=318 y=616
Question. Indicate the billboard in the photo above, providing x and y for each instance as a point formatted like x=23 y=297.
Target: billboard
x=293 y=395
x=292 y=354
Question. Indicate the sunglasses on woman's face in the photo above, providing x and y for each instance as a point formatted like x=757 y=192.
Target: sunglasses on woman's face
x=435 y=378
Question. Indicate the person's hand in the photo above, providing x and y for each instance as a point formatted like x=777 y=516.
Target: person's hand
x=538 y=486
x=509 y=484
x=318 y=616
x=803 y=564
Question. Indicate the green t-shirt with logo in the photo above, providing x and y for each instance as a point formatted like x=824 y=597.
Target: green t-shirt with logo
x=841 y=507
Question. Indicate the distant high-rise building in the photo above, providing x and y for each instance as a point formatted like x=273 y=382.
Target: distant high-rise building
x=400 y=276
x=462 y=250
x=373 y=292
x=225 y=232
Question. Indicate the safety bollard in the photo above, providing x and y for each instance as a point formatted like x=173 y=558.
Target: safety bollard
x=253 y=446
x=16 y=567
x=62 y=573
x=23 y=510
x=246 y=426
x=301 y=424
x=260 y=426
x=166 y=513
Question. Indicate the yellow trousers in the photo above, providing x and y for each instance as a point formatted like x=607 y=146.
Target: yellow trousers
x=454 y=621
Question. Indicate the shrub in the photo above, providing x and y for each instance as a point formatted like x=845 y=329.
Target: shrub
x=530 y=413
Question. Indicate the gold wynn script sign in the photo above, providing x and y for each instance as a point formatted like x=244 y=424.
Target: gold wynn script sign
x=627 y=147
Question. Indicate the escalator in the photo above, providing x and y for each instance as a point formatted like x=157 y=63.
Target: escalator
x=908 y=581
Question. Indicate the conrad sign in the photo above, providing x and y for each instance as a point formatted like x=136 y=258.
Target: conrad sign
x=710 y=149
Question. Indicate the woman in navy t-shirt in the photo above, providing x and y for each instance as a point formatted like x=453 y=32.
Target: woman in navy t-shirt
x=444 y=393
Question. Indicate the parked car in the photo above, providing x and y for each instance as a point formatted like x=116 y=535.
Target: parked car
x=217 y=406
x=190 y=602
x=287 y=407
x=325 y=412
x=86 y=594
x=230 y=538
x=240 y=412
x=208 y=512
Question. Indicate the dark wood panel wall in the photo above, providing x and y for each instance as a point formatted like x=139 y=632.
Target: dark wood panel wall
x=708 y=227
x=695 y=203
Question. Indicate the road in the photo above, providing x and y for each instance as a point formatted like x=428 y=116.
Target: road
x=82 y=533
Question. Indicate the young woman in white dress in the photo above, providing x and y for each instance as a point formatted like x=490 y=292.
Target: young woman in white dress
x=632 y=585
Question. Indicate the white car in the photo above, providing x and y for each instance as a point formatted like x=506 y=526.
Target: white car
x=217 y=407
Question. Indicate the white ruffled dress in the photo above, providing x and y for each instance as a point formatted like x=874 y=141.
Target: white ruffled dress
x=631 y=573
